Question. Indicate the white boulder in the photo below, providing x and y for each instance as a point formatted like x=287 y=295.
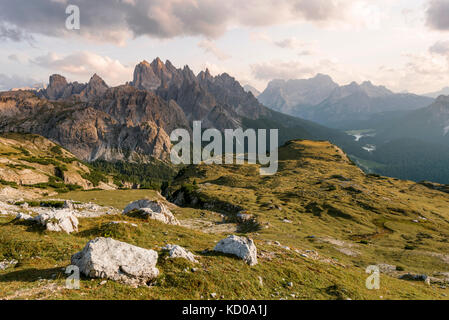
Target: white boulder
x=155 y=210
x=58 y=220
x=241 y=247
x=24 y=216
x=119 y=261
x=176 y=251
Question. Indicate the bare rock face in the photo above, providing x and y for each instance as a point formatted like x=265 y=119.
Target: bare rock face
x=145 y=78
x=58 y=220
x=119 y=261
x=241 y=247
x=155 y=210
x=56 y=86
x=175 y=251
x=95 y=88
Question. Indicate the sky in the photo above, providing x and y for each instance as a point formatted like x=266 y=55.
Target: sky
x=402 y=44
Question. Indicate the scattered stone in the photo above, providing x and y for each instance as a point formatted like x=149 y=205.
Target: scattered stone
x=58 y=221
x=23 y=216
x=290 y=284
x=242 y=216
x=155 y=210
x=386 y=268
x=213 y=295
x=260 y=281
x=242 y=247
x=5 y=264
x=124 y=222
x=176 y=251
x=119 y=261
x=286 y=221
x=414 y=277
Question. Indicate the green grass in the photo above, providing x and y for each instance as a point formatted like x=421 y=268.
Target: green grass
x=332 y=205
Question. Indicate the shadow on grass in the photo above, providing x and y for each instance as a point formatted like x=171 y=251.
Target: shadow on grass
x=32 y=275
x=211 y=253
x=32 y=226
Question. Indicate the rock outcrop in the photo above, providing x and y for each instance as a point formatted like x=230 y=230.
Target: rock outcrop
x=111 y=259
x=149 y=209
x=241 y=247
x=175 y=251
x=58 y=220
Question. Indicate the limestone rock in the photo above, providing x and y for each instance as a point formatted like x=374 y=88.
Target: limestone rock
x=119 y=261
x=5 y=264
x=176 y=251
x=23 y=216
x=155 y=210
x=59 y=220
x=241 y=247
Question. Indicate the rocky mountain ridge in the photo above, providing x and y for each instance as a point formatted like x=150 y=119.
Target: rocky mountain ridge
x=95 y=121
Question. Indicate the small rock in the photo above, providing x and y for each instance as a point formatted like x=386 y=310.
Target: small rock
x=59 y=221
x=213 y=295
x=241 y=247
x=155 y=210
x=23 y=216
x=176 y=251
x=7 y=263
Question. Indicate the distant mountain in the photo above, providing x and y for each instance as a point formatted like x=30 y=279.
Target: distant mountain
x=134 y=121
x=289 y=96
x=254 y=91
x=353 y=103
x=430 y=124
x=444 y=91
x=321 y=100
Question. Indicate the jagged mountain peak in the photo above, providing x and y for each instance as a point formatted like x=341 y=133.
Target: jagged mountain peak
x=97 y=79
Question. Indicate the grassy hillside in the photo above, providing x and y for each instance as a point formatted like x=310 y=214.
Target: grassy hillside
x=35 y=164
x=319 y=222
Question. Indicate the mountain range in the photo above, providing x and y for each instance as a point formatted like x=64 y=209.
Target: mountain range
x=134 y=120
x=321 y=100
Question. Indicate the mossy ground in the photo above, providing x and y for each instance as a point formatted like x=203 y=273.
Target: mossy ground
x=333 y=208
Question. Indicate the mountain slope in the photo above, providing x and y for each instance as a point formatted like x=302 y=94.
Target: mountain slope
x=124 y=120
x=353 y=103
x=319 y=223
x=430 y=124
x=34 y=165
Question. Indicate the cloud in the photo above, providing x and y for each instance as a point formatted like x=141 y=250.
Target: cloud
x=14 y=34
x=290 y=43
x=86 y=64
x=437 y=15
x=117 y=20
x=10 y=82
x=281 y=70
x=210 y=47
x=440 y=47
